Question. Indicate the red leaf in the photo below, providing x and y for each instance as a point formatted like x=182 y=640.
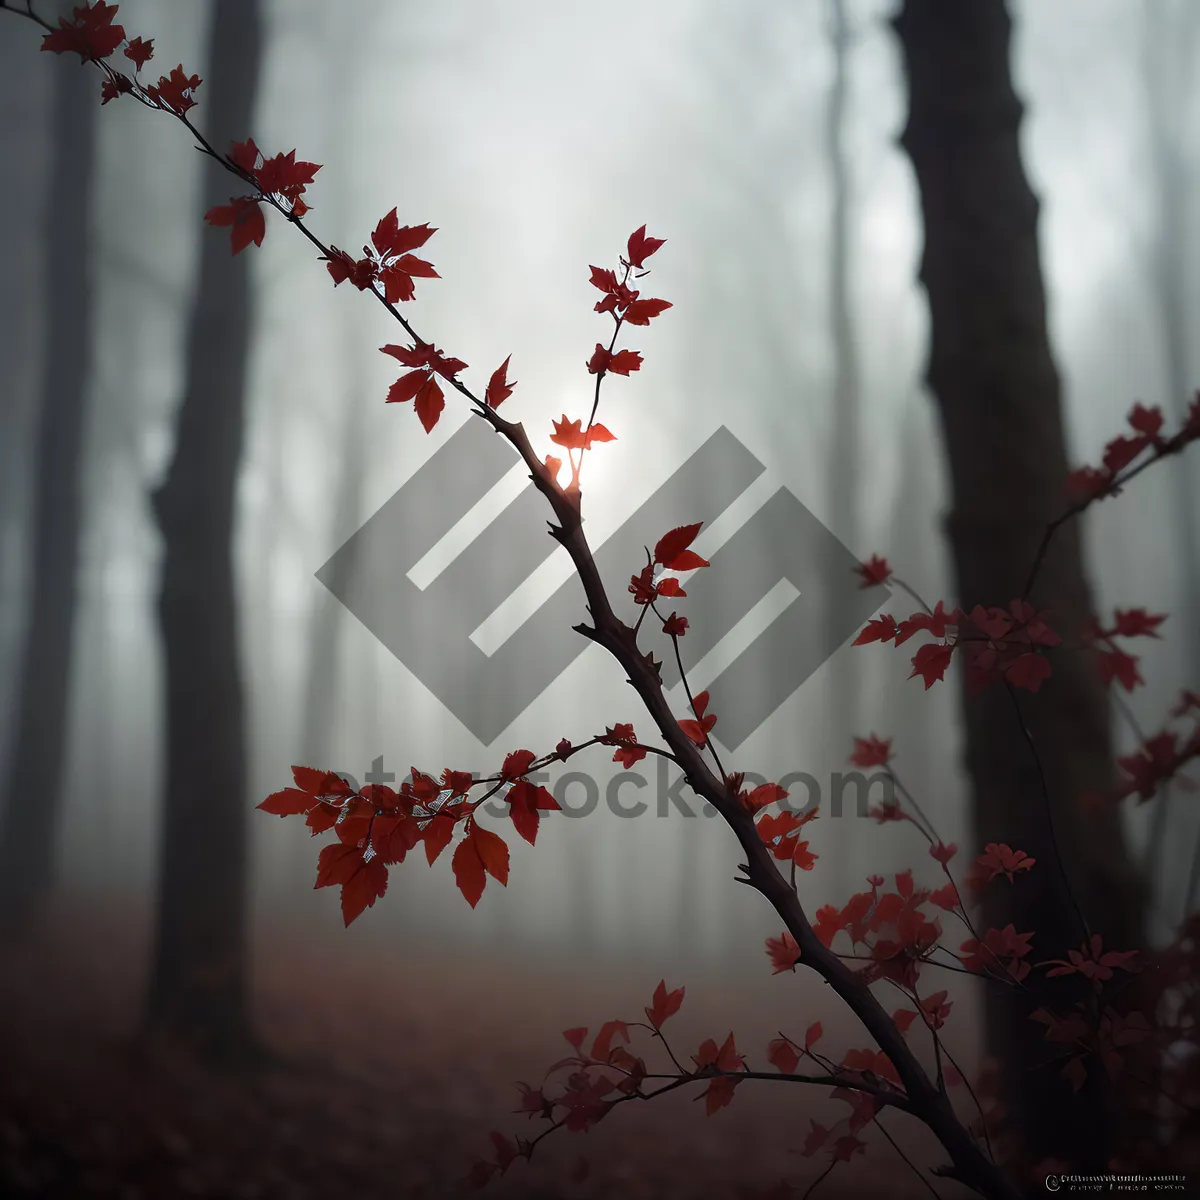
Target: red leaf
x=604 y=279
x=625 y=361
x=391 y=238
x=783 y=952
x=640 y=247
x=671 y=545
x=517 y=763
x=1116 y=664
x=288 y=803
x=675 y=625
x=881 y=629
x=525 y=799
x=498 y=388
x=406 y=387
x=930 y=662
x=493 y=852
x=139 y=52
x=282 y=175
x=568 y=434
x=813 y=1035
x=874 y=572
x=468 y=870
x=172 y=91
x=871 y=751
x=1137 y=622
x=598 y=433
x=429 y=403
x=782 y=1056
x=640 y=312
x=367 y=885
x=437 y=835
x=664 y=1004
x=246 y=219
x=90 y=34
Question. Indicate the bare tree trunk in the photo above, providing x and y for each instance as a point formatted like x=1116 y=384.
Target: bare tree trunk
x=844 y=481
x=33 y=787
x=198 y=985
x=998 y=396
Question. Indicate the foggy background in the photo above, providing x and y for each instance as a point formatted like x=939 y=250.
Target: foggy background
x=535 y=137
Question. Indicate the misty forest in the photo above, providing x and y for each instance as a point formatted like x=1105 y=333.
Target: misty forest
x=923 y=260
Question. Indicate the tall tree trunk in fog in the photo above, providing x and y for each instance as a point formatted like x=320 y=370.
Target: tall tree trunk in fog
x=844 y=480
x=998 y=396
x=324 y=662
x=198 y=982
x=34 y=782
x=1169 y=72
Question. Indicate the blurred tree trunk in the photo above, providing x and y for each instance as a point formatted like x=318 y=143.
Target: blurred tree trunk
x=843 y=475
x=324 y=682
x=198 y=982
x=34 y=780
x=998 y=397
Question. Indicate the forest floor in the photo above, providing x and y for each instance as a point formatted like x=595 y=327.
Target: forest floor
x=392 y=1074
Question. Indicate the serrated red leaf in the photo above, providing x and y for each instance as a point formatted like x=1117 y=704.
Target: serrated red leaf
x=366 y=886
x=468 y=870
x=245 y=219
x=493 y=853
x=641 y=312
x=406 y=387
x=139 y=52
x=429 y=403
x=640 y=247
x=336 y=864
x=624 y=361
x=437 y=835
x=499 y=389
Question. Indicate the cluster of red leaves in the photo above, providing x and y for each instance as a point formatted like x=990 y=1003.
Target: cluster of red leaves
x=600 y=1078
x=1105 y=1037
x=890 y=926
x=1113 y=662
x=671 y=553
x=386 y=261
x=91 y=33
x=628 y=751
x=1091 y=483
x=624 y=302
x=626 y=307
x=377 y=826
x=1159 y=758
x=780 y=831
x=280 y=178
x=419 y=383
x=996 y=644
